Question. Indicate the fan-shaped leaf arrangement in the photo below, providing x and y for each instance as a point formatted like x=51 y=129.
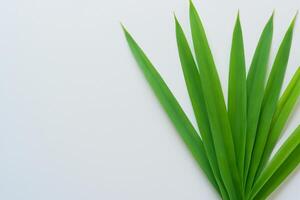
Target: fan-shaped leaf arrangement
x=235 y=143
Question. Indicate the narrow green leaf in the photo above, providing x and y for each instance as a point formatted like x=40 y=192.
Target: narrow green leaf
x=283 y=163
x=280 y=175
x=284 y=109
x=172 y=108
x=237 y=96
x=216 y=108
x=193 y=83
x=255 y=89
x=270 y=100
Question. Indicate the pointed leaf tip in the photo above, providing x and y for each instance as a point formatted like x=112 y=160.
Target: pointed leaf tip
x=192 y=6
x=295 y=18
x=238 y=20
x=123 y=27
x=272 y=16
x=175 y=18
x=271 y=19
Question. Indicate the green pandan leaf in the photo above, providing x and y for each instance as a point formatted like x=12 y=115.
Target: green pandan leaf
x=216 y=108
x=284 y=109
x=284 y=162
x=237 y=95
x=193 y=83
x=255 y=89
x=172 y=108
x=270 y=101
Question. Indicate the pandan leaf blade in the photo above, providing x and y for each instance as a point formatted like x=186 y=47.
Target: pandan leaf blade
x=284 y=109
x=237 y=95
x=216 y=108
x=284 y=162
x=194 y=87
x=270 y=100
x=172 y=108
x=255 y=89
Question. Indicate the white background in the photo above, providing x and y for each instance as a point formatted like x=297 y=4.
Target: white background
x=78 y=121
